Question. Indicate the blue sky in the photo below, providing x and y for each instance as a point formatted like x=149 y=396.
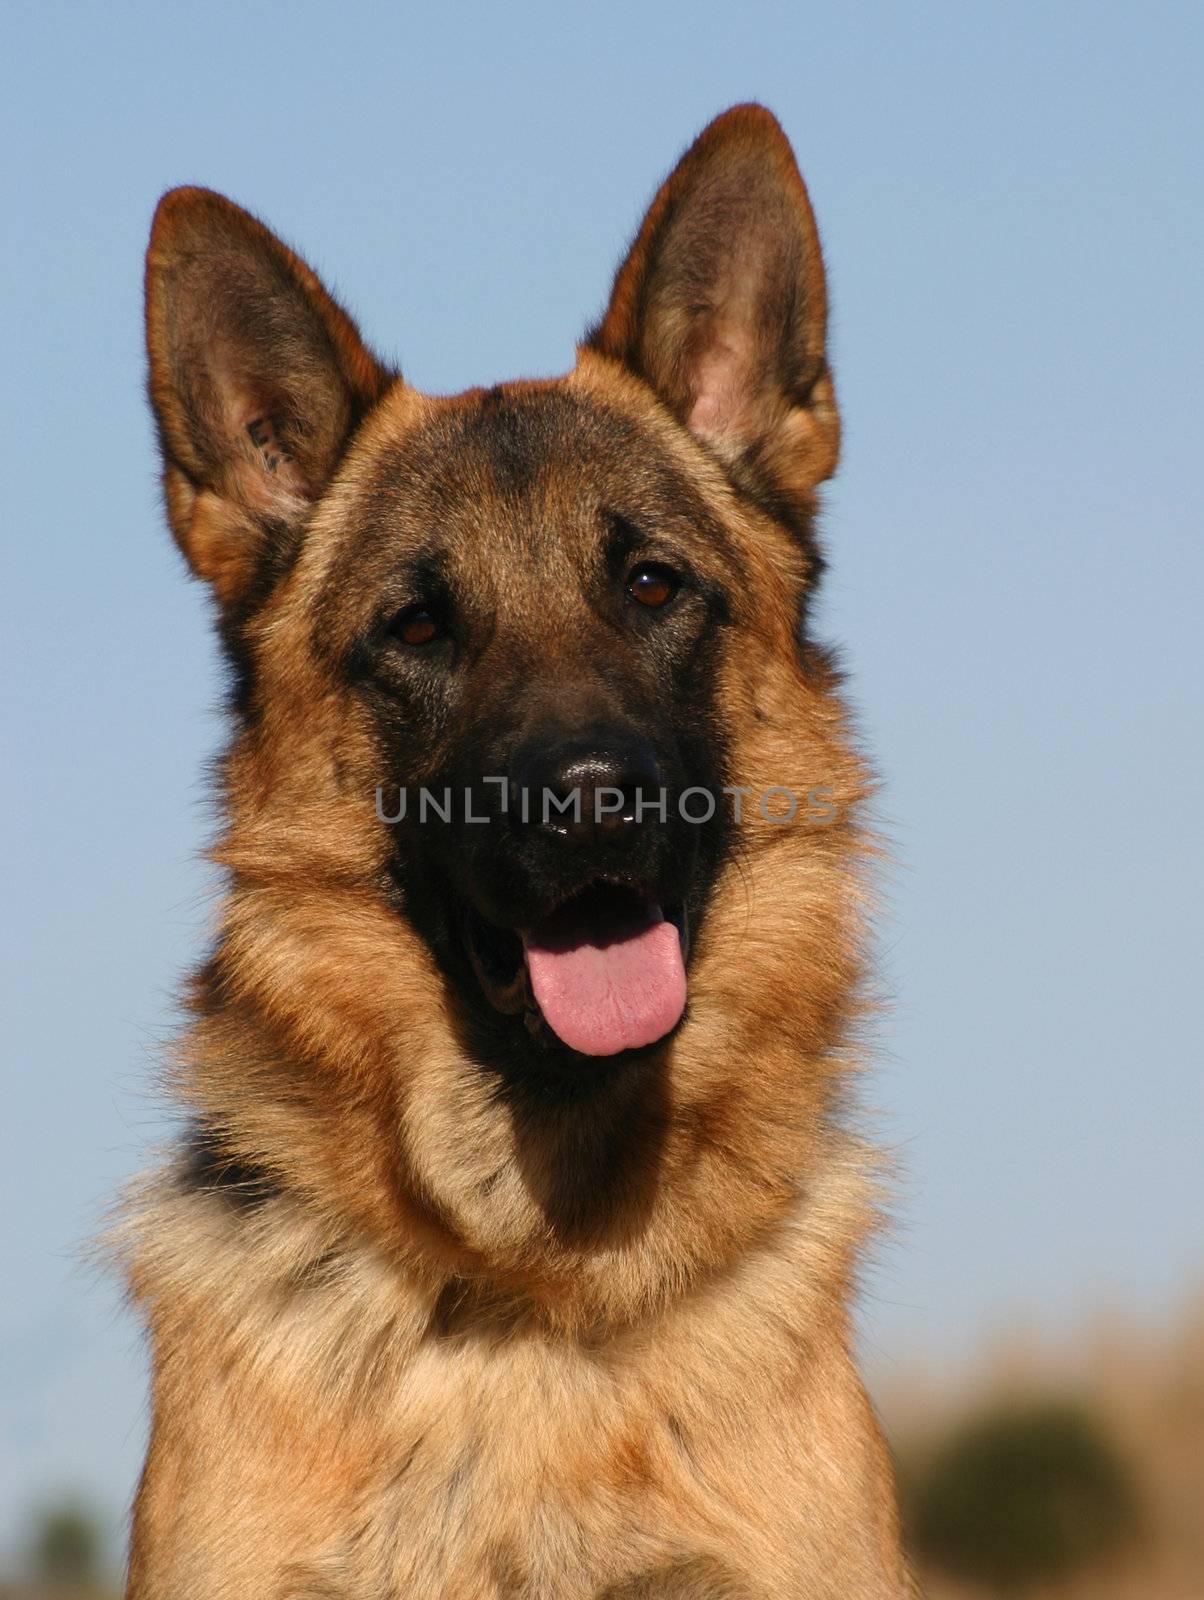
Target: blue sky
x=1010 y=199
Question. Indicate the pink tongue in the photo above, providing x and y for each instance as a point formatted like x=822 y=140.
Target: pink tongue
x=607 y=988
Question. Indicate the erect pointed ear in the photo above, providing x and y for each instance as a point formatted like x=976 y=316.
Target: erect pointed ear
x=721 y=306
x=257 y=378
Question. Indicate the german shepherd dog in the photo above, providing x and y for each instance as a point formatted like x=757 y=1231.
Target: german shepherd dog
x=510 y=1246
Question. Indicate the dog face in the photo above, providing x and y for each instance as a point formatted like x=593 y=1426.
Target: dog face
x=531 y=613
x=516 y=675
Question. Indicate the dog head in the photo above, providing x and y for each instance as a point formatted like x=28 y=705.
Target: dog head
x=540 y=802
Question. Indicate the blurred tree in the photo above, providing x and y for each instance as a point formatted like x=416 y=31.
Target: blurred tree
x=66 y=1547
x=1023 y=1496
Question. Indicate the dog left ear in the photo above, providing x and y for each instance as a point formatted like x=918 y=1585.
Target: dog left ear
x=257 y=379
x=721 y=306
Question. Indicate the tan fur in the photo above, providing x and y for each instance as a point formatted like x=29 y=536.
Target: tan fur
x=407 y=1368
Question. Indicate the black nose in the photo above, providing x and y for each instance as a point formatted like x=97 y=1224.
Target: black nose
x=588 y=790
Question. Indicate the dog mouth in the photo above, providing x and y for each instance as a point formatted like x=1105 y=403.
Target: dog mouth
x=602 y=972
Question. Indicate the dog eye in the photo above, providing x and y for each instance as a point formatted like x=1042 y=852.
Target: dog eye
x=415 y=626
x=652 y=585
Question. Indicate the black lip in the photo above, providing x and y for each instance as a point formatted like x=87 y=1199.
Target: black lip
x=495 y=955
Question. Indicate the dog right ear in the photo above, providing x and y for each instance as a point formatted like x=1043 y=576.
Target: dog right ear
x=721 y=307
x=257 y=379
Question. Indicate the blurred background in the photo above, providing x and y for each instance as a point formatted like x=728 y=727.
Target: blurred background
x=1011 y=202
